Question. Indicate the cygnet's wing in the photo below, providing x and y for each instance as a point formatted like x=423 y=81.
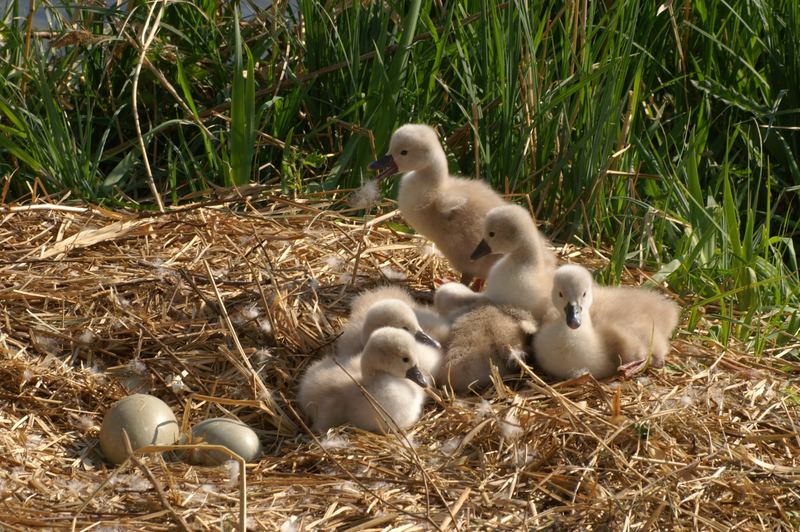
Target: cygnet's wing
x=399 y=399
x=454 y=221
x=482 y=334
x=324 y=379
x=641 y=313
x=621 y=346
x=468 y=372
x=547 y=255
x=449 y=205
x=524 y=319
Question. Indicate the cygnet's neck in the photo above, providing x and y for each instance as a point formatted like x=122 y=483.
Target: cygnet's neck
x=370 y=371
x=425 y=183
x=529 y=250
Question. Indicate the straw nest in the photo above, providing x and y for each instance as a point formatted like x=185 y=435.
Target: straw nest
x=220 y=307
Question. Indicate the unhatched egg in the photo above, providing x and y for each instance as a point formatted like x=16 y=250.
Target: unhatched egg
x=147 y=420
x=229 y=433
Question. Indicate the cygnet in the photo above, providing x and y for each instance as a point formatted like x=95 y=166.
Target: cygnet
x=448 y=210
x=393 y=307
x=381 y=388
x=485 y=335
x=523 y=278
x=603 y=329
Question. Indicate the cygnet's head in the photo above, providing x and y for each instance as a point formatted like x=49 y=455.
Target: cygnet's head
x=505 y=229
x=572 y=293
x=395 y=313
x=393 y=351
x=413 y=147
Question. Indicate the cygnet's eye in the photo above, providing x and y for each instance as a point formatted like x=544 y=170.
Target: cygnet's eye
x=560 y=294
x=405 y=359
x=403 y=152
x=584 y=293
x=406 y=329
x=491 y=234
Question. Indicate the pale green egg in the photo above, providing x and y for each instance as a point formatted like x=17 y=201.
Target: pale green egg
x=147 y=420
x=229 y=433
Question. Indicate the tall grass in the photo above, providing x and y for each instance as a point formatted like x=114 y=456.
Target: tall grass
x=669 y=134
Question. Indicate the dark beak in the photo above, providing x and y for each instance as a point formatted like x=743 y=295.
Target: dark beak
x=423 y=338
x=573 y=315
x=414 y=374
x=482 y=250
x=386 y=164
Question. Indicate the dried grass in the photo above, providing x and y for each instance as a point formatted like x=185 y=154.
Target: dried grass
x=219 y=308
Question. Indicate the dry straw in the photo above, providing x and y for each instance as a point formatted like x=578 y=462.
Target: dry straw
x=219 y=308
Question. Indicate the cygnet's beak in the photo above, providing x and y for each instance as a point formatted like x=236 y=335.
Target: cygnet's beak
x=386 y=164
x=423 y=338
x=414 y=374
x=482 y=250
x=573 y=315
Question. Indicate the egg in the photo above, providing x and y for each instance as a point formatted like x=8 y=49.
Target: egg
x=146 y=419
x=229 y=433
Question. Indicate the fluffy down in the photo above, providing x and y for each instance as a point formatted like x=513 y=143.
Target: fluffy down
x=380 y=389
x=602 y=329
x=485 y=335
x=448 y=210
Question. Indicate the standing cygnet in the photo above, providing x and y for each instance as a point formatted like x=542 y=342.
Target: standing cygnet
x=523 y=278
x=448 y=210
x=388 y=372
x=603 y=329
x=485 y=335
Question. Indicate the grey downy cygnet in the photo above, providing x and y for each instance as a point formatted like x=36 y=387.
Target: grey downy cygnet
x=483 y=336
x=523 y=277
x=393 y=307
x=380 y=389
x=448 y=210
x=601 y=329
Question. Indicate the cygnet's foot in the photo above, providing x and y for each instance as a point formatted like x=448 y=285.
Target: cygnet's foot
x=632 y=368
x=476 y=285
x=657 y=362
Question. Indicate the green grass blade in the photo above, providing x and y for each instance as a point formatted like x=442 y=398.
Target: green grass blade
x=243 y=117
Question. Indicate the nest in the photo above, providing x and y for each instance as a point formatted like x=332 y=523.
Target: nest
x=219 y=308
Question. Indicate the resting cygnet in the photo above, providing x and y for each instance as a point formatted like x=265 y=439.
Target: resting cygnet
x=523 y=278
x=603 y=329
x=446 y=209
x=393 y=307
x=387 y=370
x=430 y=320
x=487 y=333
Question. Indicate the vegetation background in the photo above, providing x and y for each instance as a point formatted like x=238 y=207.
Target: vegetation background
x=668 y=133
